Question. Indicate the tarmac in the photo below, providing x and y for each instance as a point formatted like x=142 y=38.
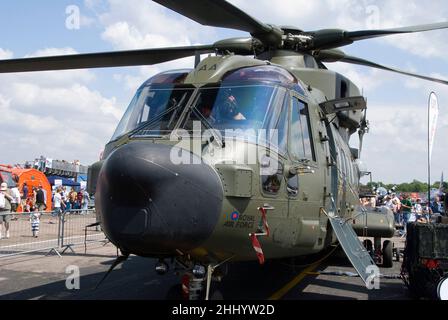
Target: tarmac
x=35 y=276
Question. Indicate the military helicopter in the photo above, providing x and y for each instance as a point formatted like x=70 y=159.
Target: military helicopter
x=206 y=208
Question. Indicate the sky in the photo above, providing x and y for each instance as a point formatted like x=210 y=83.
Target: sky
x=71 y=115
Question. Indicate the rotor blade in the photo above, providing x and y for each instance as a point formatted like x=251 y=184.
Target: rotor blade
x=222 y=14
x=367 y=34
x=102 y=60
x=336 y=55
x=363 y=62
x=333 y=38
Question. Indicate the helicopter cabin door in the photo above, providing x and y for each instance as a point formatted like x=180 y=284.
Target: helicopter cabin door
x=306 y=202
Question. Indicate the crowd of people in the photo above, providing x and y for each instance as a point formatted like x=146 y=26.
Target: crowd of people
x=34 y=202
x=407 y=209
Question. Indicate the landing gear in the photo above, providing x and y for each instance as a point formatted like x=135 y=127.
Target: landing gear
x=199 y=282
x=368 y=245
x=396 y=252
x=383 y=255
x=387 y=254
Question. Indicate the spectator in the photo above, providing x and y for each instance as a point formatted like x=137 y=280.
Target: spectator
x=57 y=203
x=406 y=208
x=35 y=222
x=24 y=195
x=418 y=209
x=45 y=195
x=40 y=199
x=73 y=196
x=79 y=199
x=5 y=209
x=85 y=200
x=436 y=206
x=16 y=201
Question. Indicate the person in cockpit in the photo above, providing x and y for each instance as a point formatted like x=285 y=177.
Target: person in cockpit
x=229 y=108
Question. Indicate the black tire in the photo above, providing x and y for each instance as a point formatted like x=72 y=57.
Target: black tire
x=388 y=255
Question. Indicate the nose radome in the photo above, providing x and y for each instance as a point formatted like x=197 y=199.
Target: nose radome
x=150 y=206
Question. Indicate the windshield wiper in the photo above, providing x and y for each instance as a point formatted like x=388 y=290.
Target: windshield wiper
x=147 y=125
x=216 y=134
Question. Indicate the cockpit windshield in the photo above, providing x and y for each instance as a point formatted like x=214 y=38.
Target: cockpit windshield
x=154 y=109
x=248 y=98
x=232 y=107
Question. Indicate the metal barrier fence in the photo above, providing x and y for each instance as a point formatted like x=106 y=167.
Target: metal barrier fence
x=55 y=234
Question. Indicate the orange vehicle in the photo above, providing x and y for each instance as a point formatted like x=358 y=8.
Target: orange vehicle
x=33 y=178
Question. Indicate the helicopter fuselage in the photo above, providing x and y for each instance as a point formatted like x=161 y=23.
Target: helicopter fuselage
x=169 y=190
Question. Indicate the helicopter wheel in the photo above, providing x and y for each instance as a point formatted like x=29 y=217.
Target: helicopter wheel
x=387 y=254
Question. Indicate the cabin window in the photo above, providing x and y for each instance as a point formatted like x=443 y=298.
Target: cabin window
x=301 y=144
x=293 y=186
x=272 y=183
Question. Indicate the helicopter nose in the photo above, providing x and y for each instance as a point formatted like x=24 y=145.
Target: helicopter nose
x=150 y=206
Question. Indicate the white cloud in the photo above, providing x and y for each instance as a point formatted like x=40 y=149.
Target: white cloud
x=54 y=113
x=367 y=79
x=124 y=36
x=396 y=146
x=5 y=54
x=146 y=24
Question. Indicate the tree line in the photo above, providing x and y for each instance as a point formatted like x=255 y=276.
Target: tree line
x=414 y=186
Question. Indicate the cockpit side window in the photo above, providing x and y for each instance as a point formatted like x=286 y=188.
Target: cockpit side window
x=282 y=126
x=301 y=142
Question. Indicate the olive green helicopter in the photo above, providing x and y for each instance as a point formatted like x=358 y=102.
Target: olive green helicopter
x=245 y=157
